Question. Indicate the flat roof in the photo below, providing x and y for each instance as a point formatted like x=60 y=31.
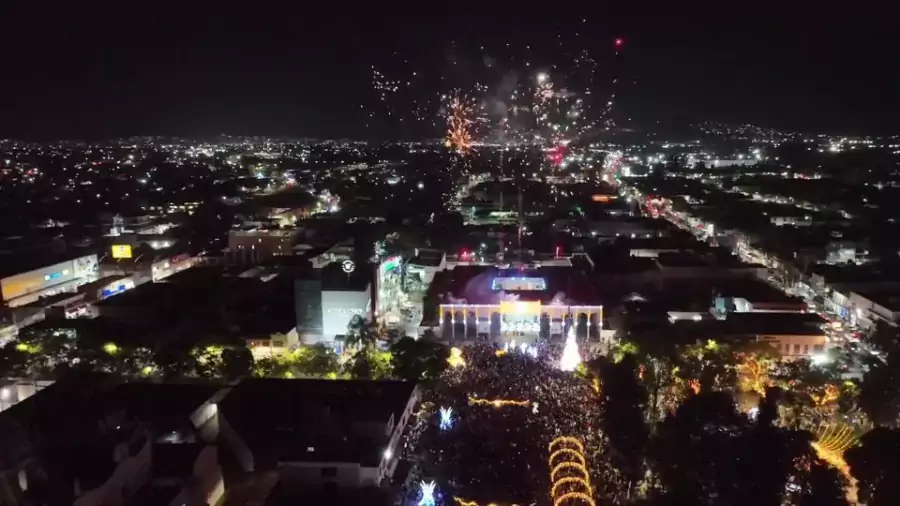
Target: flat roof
x=428 y=258
x=886 y=297
x=473 y=284
x=314 y=420
x=16 y=263
x=335 y=279
x=808 y=324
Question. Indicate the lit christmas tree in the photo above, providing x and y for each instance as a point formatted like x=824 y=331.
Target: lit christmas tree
x=570 y=357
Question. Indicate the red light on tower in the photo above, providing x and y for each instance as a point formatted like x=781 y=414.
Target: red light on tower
x=619 y=42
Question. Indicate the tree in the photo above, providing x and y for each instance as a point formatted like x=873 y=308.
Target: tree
x=418 y=360
x=875 y=466
x=811 y=394
x=319 y=361
x=823 y=486
x=237 y=362
x=708 y=366
x=13 y=361
x=622 y=403
x=208 y=361
x=879 y=395
x=174 y=360
x=360 y=366
x=708 y=453
x=884 y=337
x=361 y=333
x=272 y=367
x=754 y=368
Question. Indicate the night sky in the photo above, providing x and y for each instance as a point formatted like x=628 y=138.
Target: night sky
x=78 y=73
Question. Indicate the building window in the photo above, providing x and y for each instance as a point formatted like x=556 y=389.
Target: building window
x=806 y=349
x=819 y=348
x=796 y=349
x=329 y=472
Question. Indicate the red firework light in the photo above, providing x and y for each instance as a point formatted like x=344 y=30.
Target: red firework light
x=557 y=154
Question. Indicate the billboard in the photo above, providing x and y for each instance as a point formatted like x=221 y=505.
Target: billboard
x=121 y=251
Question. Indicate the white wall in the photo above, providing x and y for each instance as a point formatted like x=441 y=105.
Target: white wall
x=339 y=307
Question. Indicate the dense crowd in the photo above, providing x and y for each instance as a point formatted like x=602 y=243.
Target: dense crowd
x=498 y=454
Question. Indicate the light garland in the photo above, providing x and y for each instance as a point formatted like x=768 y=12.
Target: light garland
x=567 y=452
x=566 y=439
x=584 y=498
x=497 y=403
x=564 y=465
x=578 y=455
x=463 y=502
x=570 y=479
x=836 y=440
x=456 y=358
x=831 y=444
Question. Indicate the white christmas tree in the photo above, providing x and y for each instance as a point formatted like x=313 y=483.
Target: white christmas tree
x=570 y=357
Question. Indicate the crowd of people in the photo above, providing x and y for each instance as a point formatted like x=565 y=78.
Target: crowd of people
x=498 y=452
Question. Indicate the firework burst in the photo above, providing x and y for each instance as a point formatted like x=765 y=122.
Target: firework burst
x=460 y=124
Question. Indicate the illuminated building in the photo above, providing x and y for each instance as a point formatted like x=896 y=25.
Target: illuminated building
x=259 y=244
x=26 y=287
x=506 y=304
x=329 y=299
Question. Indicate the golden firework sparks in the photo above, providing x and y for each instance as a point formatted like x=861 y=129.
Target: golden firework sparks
x=459 y=125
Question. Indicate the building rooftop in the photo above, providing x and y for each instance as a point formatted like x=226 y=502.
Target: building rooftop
x=427 y=258
x=474 y=284
x=315 y=420
x=809 y=324
x=334 y=278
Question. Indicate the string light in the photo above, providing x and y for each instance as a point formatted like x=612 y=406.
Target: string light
x=497 y=403
x=566 y=439
x=574 y=453
x=463 y=502
x=831 y=444
x=456 y=358
x=570 y=479
x=565 y=465
x=834 y=439
x=567 y=452
x=586 y=499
